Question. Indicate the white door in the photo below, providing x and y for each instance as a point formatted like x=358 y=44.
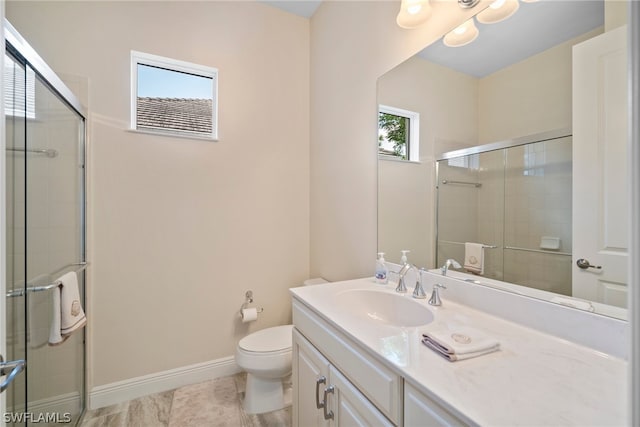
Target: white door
x=600 y=172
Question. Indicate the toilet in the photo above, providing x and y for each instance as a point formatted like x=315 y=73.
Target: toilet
x=265 y=356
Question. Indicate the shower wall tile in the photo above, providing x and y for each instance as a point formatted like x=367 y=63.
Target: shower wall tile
x=517 y=204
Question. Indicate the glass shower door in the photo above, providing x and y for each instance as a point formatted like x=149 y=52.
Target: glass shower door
x=15 y=78
x=55 y=212
x=45 y=211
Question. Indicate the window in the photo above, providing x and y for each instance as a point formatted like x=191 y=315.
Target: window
x=471 y=161
x=173 y=97
x=398 y=135
x=21 y=101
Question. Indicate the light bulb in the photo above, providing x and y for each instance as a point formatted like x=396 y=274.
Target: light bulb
x=412 y=10
x=462 y=35
x=413 y=13
x=498 y=11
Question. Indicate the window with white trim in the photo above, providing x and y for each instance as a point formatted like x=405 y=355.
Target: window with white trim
x=173 y=97
x=398 y=134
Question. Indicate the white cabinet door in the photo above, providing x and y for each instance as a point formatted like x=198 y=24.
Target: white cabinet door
x=600 y=172
x=420 y=411
x=309 y=368
x=349 y=406
x=322 y=396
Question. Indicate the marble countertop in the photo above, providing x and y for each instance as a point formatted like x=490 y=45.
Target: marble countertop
x=534 y=379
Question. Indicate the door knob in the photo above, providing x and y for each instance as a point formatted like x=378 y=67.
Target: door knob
x=584 y=264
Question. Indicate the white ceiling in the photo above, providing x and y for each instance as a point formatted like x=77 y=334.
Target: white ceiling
x=534 y=28
x=304 y=8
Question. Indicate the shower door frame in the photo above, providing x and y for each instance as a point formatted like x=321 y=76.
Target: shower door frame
x=19 y=48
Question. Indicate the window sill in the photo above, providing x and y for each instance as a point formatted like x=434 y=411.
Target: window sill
x=174 y=134
x=395 y=159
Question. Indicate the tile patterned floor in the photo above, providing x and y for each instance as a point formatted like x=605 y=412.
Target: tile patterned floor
x=215 y=403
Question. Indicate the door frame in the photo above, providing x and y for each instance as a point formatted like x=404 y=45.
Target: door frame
x=3 y=221
x=634 y=216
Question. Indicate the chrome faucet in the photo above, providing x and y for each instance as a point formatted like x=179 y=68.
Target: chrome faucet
x=448 y=264
x=402 y=288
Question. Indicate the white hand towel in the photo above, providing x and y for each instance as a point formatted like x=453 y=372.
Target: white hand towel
x=68 y=314
x=474 y=257
x=460 y=343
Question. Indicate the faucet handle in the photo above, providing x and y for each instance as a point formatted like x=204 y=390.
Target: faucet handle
x=418 y=291
x=435 y=295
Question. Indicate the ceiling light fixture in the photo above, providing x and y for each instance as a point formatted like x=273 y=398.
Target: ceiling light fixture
x=413 y=13
x=462 y=35
x=468 y=4
x=498 y=11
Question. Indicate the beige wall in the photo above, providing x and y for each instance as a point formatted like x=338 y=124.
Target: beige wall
x=179 y=228
x=530 y=96
x=352 y=44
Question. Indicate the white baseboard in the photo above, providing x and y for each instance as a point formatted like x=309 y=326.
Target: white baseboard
x=121 y=391
x=61 y=404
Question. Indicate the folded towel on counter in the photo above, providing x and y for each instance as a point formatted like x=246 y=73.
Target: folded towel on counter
x=68 y=315
x=474 y=257
x=460 y=343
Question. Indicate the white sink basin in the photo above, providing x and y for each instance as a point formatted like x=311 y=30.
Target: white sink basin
x=384 y=308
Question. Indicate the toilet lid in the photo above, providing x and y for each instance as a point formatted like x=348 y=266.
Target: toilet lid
x=270 y=339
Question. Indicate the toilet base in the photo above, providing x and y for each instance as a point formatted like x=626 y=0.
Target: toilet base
x=265 y=395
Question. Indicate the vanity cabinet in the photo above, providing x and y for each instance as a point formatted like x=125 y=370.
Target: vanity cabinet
x=360 y=389
x=364 y=388
x=325 y=397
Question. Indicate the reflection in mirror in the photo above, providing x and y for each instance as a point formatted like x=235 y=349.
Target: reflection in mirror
x=515 y=81
x=516 y=202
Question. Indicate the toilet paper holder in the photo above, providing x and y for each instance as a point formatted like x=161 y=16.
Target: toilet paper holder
x=248 y=299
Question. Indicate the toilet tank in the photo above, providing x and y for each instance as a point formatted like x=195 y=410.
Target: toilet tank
x=314 y=281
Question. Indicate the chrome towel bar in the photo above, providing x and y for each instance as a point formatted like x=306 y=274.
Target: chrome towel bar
x=475 y=184
x=49 y=152
x=539 y=251
x=460 y=243
x=21 y=292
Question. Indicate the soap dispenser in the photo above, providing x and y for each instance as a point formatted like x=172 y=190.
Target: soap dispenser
x=382 y=272
x=403 y=259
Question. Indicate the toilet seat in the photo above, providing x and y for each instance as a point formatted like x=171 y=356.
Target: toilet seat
x=277 y=339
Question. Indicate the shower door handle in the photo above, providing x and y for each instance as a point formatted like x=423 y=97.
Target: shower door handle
x=14 y=367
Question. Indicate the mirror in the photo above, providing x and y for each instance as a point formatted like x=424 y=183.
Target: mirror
x=512 y=83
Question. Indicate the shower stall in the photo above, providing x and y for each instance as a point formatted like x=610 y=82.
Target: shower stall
x=514 y=198
x=45 y=238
